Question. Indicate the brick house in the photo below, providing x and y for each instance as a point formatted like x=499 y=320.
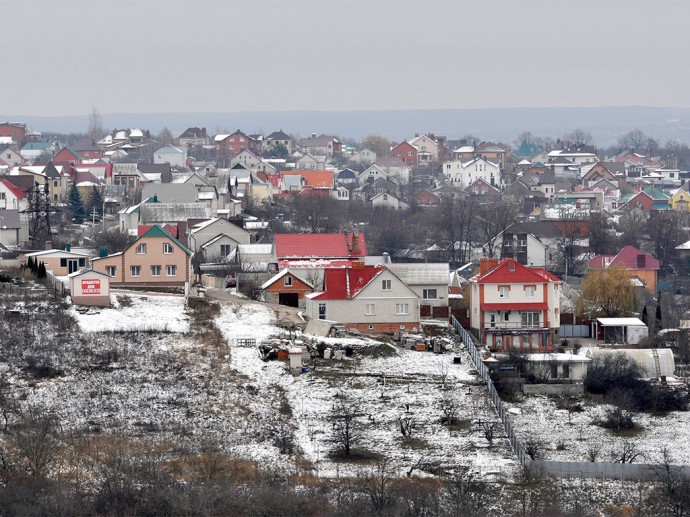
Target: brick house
x=370 y=299
x=514 y=307
x=156 y=259
x=235 y=143
x=289 y=287
x=406 y=152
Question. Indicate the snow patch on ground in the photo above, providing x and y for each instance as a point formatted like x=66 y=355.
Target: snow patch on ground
x=136 y=312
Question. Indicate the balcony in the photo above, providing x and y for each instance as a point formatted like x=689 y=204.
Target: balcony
x=514 y=327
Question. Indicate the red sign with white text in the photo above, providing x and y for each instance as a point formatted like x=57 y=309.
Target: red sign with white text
x=91 y=286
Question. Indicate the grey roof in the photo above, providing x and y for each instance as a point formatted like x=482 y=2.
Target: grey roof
x=125 y=168
x=171 y=192
x=151 y=213
x=421 y=274
x=536 y=228
x=278 y=135
x=10 y=219
x=153 y=168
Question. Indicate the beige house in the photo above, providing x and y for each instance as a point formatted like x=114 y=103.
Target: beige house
x=59 y=262
x=156 y=259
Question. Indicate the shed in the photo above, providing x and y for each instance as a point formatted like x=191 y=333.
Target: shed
x=629 y=331
x=558 y=367
x=89 y=287
x=655 y=362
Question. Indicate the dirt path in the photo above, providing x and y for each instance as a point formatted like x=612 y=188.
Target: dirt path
x=284 y=315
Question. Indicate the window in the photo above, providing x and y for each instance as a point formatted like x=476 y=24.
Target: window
x=82 y=262
x=370 y=309
x=110 y=270
x=225 y=250
x=135 y=270
x=172 y=270
x=167 y=248
x=506 y=315
x=529 y=291
x=141 y=249
x=287 y=281
x=429 y=294
x=63 y=262
x=566 y=371
x=554 y=371
x=402 y=308
x=155 y=271
x=386 y=285
x=530 y=318
x=503 y=291
x=322 y=311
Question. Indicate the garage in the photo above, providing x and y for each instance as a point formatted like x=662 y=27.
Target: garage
x=289 y=299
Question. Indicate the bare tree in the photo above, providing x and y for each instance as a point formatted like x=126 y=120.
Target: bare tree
x=449 y=408
x=407 y=425
x=490 y=429
x=95 y=124
x=579 y=137
x=468 y=495
x=347 y=428
x=378 y=486
x=627 y=453
x=535 y=492
x=165 y=137
x=36 y=440
x=492 y=220
x=593 y=451
x=534 y=448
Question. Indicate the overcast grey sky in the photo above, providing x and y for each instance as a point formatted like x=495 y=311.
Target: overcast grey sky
x=156 y=56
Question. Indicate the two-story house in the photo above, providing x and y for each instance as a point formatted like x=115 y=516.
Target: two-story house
x=514 y=307
x=370 y=299
x=156 y=259
x=639 y=264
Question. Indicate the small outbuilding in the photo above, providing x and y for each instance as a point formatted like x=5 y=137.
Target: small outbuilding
x=654 y=362
x=626 y=331
x=89 y=287
x=556 y=367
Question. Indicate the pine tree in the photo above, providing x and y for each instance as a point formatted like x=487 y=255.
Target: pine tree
x=76 y=204
x=41 y=273
x=657 y=314
x=95 y=202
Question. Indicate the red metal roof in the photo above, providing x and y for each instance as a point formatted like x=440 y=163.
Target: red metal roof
x=512 y=306
x=314 y=179
x=319 y=245
x=626 y=258
x=16 y=191
x=168 y=228
x=509 y=271
x=346 y=283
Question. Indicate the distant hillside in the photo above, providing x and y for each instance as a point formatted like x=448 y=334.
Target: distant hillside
x=499 y=124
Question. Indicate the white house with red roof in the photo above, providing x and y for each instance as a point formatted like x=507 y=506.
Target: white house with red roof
x=11 y=196
x=514 y=307
x=370 y=299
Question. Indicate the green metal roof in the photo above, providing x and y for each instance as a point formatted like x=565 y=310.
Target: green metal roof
x=157 y=231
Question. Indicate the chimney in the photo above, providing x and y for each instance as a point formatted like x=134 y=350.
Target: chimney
x=347 y=243
x=487 y=264
x=355 y=244
x=68 y=247
x=49 y=245
x=313 y=135
x=103 y=251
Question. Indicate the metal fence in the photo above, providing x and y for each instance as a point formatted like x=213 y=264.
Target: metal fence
x=561 y=469
x=484 y=373
x=573 y=331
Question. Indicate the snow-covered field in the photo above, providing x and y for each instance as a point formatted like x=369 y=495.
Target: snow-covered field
x=413 y=378
x=576 y=434
x=136 y=312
